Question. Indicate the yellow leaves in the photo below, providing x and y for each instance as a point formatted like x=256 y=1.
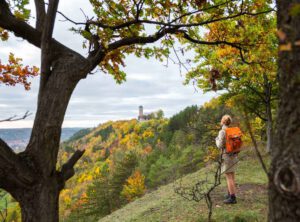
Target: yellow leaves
x=212 y=154
x=134 y=187
x=226 y=51
x=67 y=200
x=97 y=170
x=148 y=134
x=125 y=140
x=214 y=102
x=85 y=178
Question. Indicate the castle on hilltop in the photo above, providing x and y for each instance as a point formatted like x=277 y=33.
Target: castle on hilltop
x=153 y=115
x=142 y=117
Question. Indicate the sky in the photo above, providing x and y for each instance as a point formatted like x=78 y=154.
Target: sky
x=98 y=98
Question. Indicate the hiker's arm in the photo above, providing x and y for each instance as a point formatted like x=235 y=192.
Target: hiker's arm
x=220 y=140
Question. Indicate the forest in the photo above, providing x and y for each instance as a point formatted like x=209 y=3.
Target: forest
x=127 y=158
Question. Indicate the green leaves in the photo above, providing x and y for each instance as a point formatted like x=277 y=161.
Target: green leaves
x=19 y=9
x=124 y=19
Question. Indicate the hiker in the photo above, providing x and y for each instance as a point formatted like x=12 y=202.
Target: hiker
x=229 y=161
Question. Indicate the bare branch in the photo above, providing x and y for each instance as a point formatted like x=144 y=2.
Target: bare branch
x=249 y=128
x=15 y=118
x=203 y=188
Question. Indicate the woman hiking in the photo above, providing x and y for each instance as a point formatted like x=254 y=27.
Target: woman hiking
x=229 y=161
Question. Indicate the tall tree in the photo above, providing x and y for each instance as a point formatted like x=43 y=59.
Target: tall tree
x=284 y=193
x=249 y=77
x=120 y=28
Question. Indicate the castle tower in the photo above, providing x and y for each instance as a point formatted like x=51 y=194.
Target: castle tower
x=141 y=114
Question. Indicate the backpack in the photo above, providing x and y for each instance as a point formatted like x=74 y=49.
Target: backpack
x=233 y=139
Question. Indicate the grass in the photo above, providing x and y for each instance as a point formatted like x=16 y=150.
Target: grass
x=164 y=205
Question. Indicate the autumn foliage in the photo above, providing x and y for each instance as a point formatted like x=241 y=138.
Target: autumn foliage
x=134 y=187
x=15 y=73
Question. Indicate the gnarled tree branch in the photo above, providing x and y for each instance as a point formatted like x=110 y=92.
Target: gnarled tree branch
x=96 y=58
x=67 y=169
x=13 y=172
x=18 y=27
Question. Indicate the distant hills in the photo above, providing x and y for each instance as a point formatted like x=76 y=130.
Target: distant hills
x=18 y=138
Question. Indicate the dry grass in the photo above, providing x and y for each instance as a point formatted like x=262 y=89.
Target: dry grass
x=163 y=205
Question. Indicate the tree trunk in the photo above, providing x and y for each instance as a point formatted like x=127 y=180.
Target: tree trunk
x=41 y=202
x=269 y=129
x=284 y=186
x=269 y=117
x=31 y=177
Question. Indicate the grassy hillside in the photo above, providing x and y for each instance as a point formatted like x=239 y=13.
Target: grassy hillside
x=165 y=205
x=123 y=159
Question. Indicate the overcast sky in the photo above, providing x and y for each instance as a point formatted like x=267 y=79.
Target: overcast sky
x=98 y=98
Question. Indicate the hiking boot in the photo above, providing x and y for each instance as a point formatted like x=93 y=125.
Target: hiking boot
x=226 y=196
x=230 y=200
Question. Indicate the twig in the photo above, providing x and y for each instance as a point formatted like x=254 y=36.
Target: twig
x=14 y=118
x=255 y=144
x=203 y=188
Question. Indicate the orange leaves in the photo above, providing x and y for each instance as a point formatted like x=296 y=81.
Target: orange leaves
x=134 y=187
x=147 y=150
x=14 y=72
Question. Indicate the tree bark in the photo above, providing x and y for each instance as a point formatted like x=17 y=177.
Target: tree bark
x=54 y=97
x=31 y=176
x=269 y=117
x=40 y=203
x=284 y=186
